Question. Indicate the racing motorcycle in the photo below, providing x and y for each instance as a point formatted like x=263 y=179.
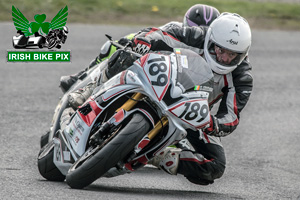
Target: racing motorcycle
x=57 y=37
x=129 y=119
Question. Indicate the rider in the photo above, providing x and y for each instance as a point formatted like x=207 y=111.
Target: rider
x=226 y=43
x=197 y=15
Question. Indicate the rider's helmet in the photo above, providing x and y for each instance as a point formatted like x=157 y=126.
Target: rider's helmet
x=65 y=30
x=200 y=15
x=229 y=31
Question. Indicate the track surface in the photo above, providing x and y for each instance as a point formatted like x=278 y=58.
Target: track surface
x=263 y=159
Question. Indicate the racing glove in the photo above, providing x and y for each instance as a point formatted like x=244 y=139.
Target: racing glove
x=141 y=45
x=119 y=61
x=213 y=128
x=124 y=41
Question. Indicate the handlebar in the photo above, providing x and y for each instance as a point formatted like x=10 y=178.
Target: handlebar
x=116 y=44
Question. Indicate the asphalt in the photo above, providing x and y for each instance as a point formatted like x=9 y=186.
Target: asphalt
x=263 y=160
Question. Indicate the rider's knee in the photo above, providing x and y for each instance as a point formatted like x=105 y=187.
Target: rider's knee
x=202 y=173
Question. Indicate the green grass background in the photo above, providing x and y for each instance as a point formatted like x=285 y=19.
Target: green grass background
x=262 y=15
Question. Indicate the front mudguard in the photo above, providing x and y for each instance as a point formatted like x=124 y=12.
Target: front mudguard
x=64 y=156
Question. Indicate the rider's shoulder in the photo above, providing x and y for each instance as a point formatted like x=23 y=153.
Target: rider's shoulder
x=172 y=24
x=243 y=72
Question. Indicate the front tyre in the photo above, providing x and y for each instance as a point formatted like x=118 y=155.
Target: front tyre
x=114 y=151
x=51 y=43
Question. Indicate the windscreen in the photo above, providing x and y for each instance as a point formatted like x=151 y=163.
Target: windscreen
x=193 y=71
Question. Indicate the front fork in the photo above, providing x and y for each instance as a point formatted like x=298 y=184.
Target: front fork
x=158 y=126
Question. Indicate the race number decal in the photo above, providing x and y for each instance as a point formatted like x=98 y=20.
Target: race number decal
x=157 y=70
x=194 y=112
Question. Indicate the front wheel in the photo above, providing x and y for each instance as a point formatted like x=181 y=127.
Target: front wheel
x=97 y=164
x=51 y=43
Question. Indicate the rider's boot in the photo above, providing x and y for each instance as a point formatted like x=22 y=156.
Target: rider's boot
x=115 y=172
x=167 y=160
x=78 y=97
x=66 y=82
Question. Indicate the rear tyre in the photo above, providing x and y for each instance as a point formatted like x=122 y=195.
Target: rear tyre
x=47 y=168
x=80 y=176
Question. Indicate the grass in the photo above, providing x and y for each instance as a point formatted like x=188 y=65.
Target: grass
x=155 y=12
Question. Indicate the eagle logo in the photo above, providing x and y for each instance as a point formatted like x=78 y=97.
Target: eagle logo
x=40 y=26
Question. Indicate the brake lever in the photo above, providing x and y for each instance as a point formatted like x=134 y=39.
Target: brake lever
x=116 y=44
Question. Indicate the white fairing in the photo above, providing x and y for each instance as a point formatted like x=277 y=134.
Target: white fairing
x=151 y=75
x=16 y=39
x=77 y=133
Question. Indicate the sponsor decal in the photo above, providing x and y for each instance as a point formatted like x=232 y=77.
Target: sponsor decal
x=203 y=88
x=231 y=41
x=71 y=132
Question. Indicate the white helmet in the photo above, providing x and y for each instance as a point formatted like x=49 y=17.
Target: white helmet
x=229 y=31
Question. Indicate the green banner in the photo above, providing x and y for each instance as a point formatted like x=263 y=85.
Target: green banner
x=38 y=56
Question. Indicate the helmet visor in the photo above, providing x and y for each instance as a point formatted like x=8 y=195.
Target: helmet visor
x=224 y=56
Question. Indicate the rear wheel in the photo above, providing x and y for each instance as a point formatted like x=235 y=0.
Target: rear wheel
x=92 y=166
x=46 y=166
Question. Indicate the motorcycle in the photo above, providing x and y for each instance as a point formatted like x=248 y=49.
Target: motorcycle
x=56 y=38
x=129 y=119
x=21 y=41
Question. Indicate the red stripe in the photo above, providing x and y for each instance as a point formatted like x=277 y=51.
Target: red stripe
x=225 y=80
x=91 y=116
x=119 y=116
x=197 y=161
x=149 y=116
x=236 y=122
x=141 y=42
x=164 y=33
x=122 y=78
x=234 y=104
x=152 y=30
x=216 y=99
x=206 y=137
x=143 y=60
x=170 y=36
